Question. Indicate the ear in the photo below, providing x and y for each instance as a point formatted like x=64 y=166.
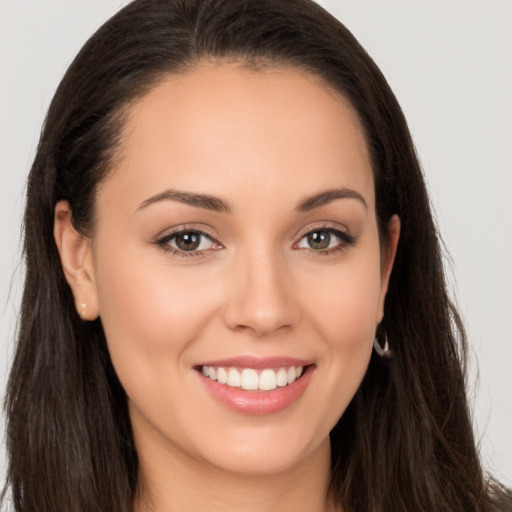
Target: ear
x=388 y=258
x=77 y=262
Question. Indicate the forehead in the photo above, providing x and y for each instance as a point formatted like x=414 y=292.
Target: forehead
x=256 y=130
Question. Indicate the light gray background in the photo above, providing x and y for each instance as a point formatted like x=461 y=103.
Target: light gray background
x=450 y=64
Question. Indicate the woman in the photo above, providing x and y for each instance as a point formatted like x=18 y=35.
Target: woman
x=224 y=216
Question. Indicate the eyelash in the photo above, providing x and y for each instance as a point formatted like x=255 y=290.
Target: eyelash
x=346 y=240
x=163 y=242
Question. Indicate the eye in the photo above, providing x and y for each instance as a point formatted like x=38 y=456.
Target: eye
x=325 y=240
x=187 y=241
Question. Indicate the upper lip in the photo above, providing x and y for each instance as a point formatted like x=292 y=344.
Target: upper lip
x=256 y=362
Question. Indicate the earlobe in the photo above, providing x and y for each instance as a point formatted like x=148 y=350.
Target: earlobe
x=77 y=263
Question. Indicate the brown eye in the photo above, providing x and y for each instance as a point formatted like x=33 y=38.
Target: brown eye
x=325 y=240
x=187 y=241
x=319 y=240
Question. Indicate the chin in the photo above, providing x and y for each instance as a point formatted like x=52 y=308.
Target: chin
x=265 y=453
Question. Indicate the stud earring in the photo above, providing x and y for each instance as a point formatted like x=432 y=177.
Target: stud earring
x=382 y=351
x=82 y=310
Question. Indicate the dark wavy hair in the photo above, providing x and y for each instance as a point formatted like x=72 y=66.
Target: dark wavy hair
x=404 y=444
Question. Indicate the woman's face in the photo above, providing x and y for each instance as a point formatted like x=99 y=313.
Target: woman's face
x=236 y=237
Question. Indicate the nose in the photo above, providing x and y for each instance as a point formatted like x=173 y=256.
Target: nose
x=261 y=295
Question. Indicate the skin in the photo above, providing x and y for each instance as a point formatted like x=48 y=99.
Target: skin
x=262 y=142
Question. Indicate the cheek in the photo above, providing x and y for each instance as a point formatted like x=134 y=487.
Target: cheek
x=149 y=313
x=346 y=304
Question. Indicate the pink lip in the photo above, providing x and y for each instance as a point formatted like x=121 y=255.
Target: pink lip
x=258 y=402
x=256 y=362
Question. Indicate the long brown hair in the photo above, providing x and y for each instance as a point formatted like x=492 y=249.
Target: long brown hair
x=405 y=443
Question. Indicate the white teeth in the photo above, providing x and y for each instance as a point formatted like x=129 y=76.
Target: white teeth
x=249 y=378
x=234 y=379
x=282 y=377
x=222 y=375
x=268 y=380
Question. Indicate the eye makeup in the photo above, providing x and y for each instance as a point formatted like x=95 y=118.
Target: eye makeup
x=322 y=240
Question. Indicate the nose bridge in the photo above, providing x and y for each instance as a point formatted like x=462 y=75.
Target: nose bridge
x=261 y=299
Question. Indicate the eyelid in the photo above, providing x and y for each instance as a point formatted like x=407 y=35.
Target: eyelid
x=162 y=240
x=323 y=226
x=183 y=228
x=342 y=232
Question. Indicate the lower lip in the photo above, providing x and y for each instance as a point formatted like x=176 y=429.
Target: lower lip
x=259 y=402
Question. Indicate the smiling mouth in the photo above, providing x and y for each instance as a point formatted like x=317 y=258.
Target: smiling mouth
x=250 y=379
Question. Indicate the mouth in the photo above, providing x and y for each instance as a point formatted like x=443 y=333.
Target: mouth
x=256 y=387
x=252 y=379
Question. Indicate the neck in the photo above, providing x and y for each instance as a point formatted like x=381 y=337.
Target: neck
x=173 y=482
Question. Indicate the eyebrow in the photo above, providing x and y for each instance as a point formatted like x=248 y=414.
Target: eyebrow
x=209 y=202
x=205 y=201
x=325 y=197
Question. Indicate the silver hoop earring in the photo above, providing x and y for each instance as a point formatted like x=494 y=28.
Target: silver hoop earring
x=384 y=351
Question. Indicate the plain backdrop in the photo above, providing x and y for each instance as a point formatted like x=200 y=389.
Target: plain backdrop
x=450 y=64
